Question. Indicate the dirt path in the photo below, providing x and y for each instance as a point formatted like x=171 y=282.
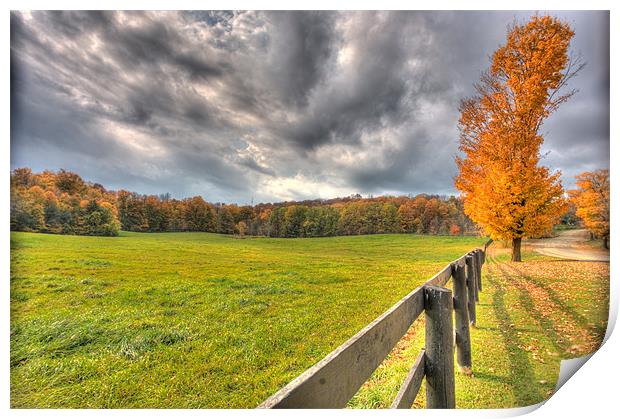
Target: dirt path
x=569 y=244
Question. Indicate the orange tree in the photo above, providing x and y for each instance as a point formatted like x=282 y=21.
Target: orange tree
x=592 y=202
x=504 y=188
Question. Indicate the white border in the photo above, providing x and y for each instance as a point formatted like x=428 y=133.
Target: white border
x=593 y=390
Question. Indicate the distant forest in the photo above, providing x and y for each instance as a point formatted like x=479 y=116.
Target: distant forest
x=63 y=203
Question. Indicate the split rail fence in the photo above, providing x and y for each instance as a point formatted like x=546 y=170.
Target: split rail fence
x=334 y=380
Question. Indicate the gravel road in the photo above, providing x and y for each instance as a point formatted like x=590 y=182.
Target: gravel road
x=570 y=244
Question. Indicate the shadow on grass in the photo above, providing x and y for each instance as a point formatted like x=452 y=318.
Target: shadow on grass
x=581 y=320
x=547 y=326
x=522 y=378
x=492 y=377
x=496 y=329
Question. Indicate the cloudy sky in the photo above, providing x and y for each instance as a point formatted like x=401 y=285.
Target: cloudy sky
x=236 y=106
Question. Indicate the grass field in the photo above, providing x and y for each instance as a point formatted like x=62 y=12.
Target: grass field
x=193 y=319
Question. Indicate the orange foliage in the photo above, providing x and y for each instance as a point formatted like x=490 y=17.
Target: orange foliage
x=61 y=203
x=109 y=206
x=455 y=230
x=504 y=189
x=592 y=201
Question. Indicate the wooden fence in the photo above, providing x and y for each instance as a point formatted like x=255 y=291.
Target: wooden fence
x=334 y=380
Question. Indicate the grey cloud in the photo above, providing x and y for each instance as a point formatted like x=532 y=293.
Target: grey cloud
x=302 y=45
x=229 y=104
x=254 y=165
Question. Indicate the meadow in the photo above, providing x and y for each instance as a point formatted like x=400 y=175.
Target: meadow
x=182 y=320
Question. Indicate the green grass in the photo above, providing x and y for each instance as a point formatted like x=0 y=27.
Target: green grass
x=192 y=319
x=531 y=315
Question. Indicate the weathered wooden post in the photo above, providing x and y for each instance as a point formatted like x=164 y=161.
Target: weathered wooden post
x=480 y=254
x=461 y=320
x=439 y=362
x=476 y=281
x=471 y=287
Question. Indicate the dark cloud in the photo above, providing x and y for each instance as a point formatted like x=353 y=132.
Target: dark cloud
x=275 y=105
x=303 y=44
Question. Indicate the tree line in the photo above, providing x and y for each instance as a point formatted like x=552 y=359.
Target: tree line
x=62 y=202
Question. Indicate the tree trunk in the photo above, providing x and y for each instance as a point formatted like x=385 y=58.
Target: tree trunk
x=516 y=249
x=606 y=242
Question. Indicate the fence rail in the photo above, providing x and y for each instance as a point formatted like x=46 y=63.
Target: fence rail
x=335 y=379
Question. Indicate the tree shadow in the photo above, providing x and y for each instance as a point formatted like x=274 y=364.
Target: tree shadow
x=493 y=377
x=581 y=320
x=559 y=342
x=496 y=329
x=522 y=380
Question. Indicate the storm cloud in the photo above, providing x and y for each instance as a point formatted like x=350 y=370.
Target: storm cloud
x=271 y=106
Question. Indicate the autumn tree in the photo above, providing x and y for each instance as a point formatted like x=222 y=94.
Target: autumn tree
x=241 y=228
x=504 y=188
x=592 y=202
x=225 y=221
x=409 y=217
x=157 y=212
x=276 y=222
x=69 y=182
x=352 y=219
x=321 y=221
x=294 y=218
x=455 y=230
x=198 y=214
x=246 y=214
x=27 y=212
x=131 y=211
x=262 y=222
x=97 y=219
x=22 y=178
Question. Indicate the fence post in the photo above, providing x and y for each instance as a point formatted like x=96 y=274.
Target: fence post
x=476 y=279
x=461 y=319
x=471 y=287
x=480 y=254
x=439 y=362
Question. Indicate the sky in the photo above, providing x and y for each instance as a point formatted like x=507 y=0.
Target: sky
x=270 y=106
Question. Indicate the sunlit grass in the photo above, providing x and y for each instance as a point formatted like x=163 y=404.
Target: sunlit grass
x=531 y=315
x=195 y=319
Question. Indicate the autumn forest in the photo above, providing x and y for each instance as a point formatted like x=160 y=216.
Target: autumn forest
x=62 y=202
